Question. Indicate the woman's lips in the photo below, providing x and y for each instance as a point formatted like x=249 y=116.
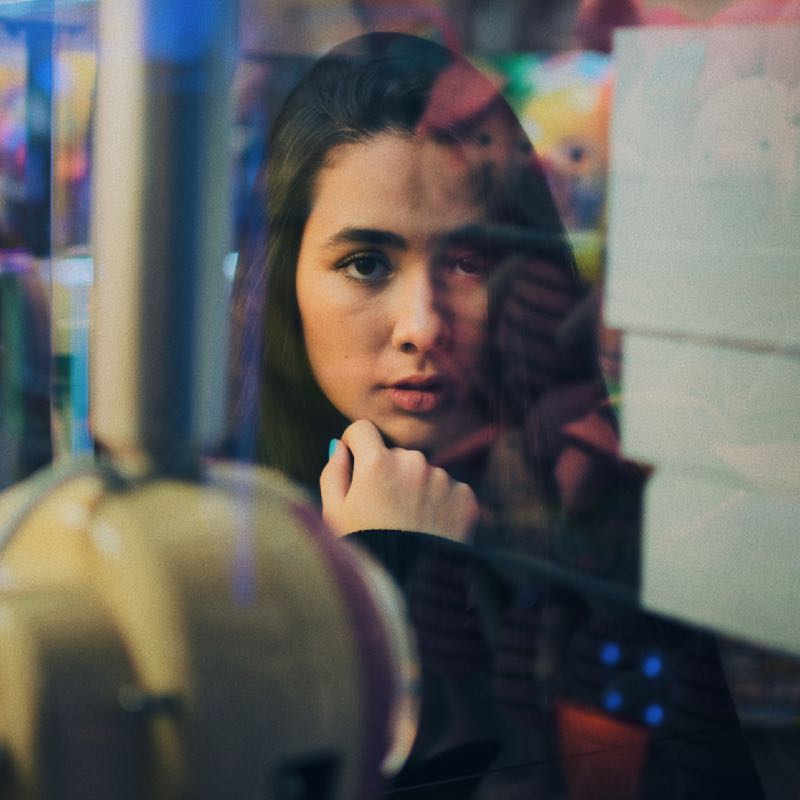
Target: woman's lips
x=418 y=397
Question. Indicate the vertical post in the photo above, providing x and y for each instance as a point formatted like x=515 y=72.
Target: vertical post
x=161 y=228
x=38 y=126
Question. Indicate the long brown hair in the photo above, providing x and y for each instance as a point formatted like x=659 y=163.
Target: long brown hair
x=371 y=84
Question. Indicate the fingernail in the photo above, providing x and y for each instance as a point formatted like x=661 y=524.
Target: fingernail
x=332 y=445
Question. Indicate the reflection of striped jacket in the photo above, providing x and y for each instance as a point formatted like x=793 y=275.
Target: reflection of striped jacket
x=581 y=695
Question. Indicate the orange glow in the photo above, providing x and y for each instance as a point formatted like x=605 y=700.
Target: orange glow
x=602 y=756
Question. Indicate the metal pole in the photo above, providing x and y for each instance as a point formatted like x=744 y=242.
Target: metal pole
x=161 y=229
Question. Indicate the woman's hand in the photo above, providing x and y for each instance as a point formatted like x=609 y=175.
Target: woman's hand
x=366 y=485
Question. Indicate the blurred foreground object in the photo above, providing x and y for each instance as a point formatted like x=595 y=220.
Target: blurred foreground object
x=177 y=640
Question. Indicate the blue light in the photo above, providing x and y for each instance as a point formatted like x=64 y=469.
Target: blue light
x=612 y=700
x=74 y=271
x=43 y=76
x=652 y=666
x=182 y=30
x=610 y=654
x=654 y=714
x=229 y=265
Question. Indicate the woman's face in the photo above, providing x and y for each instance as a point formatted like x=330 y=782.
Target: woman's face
x=392 y=288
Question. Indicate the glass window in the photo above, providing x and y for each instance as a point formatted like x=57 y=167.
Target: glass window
x=512 y=295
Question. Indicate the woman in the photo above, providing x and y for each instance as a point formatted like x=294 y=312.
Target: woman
x=404 y=209
x=384 y=129
x=413 y=300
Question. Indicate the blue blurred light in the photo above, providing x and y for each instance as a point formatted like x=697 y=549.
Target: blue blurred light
x=181 y=30
x=229 y=265
x=652 y=666
x=594 y=66
x=654 y=714
x=74 y=271
x=42 y=75
x=610 y=654
x=612 y=700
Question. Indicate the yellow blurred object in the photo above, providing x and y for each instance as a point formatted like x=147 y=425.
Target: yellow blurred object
x=169 y=639
x=589 y=247
x=569 y=128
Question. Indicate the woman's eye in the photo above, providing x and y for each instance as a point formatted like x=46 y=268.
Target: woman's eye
x=473 y=266
x=366 y=267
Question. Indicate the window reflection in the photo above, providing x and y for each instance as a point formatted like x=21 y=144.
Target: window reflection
x=541 y=675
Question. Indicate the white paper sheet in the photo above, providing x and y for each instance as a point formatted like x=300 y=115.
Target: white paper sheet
x=722 y=557
x=729 y=412
x=704 y=196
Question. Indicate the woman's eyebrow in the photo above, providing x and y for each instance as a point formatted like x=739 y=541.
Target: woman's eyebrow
x=527 y=241
x=371 y=236
x=466 y=235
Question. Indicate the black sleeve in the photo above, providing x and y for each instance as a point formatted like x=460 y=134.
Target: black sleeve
x=399 y=551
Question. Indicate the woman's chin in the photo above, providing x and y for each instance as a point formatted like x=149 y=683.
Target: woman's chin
x=421 y=435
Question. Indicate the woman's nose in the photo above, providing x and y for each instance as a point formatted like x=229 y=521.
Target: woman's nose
x=421 y=323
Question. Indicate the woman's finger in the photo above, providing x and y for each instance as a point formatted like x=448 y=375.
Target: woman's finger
x=363 y=440
x=335 y=478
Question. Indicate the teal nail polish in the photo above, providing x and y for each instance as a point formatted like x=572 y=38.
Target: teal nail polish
x=332 y=445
